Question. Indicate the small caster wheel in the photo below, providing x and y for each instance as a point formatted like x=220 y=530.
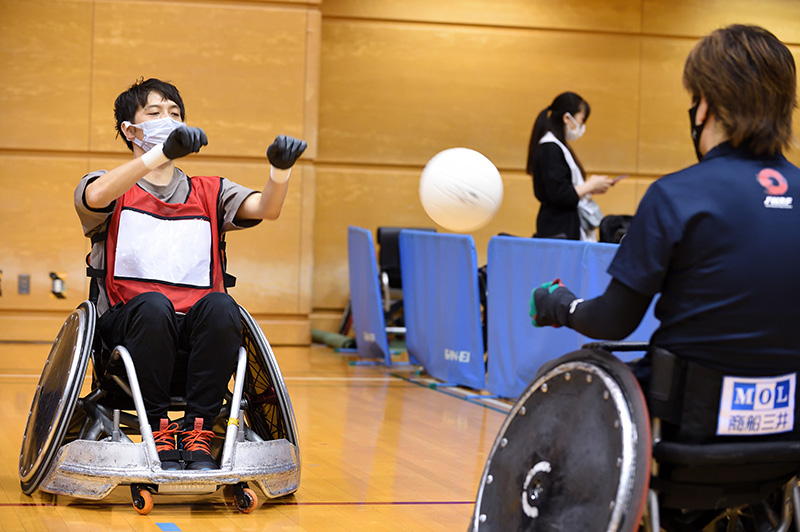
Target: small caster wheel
x=246 y=499
x=142 y=500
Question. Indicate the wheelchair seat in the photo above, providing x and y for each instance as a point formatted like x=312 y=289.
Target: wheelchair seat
x=583 y=449
x=86 y=446
x=391 y=279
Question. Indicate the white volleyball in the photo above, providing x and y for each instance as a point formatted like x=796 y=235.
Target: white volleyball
x=460 y=189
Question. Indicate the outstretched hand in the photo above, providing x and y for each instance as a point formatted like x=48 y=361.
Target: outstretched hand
x=183 y=141
x=551 y=304
x=285 y=151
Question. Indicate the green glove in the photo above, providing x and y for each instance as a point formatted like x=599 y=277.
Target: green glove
x=550 y=304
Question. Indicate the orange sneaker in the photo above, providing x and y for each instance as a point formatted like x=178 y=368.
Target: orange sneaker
x=195 y=447
x=164 y=437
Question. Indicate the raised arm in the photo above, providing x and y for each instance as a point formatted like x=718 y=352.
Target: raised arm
x=104 y=190
x=267 y=204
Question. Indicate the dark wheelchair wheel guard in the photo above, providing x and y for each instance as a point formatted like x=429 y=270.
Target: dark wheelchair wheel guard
x=573 y=453
x=269 y=411
x=56 y=396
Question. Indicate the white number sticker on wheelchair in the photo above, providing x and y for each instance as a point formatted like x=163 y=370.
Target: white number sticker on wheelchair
x=755 y=406
x=176 y=251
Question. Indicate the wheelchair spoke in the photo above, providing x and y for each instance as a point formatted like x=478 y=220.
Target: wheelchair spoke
x=263 y=408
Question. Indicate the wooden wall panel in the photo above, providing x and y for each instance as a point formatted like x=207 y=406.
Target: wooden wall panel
x=45 y=63
x=377 y=87
x=665 y=144
x=371 y=198
x=699 y=17
x=306 y=251
x=589 y=15
x=400 y=82
x=41 y=232
x=248 y=70
x=623 y=197
x=311 y=86
x=396 y=93
x=362 y=197
x=241 y=68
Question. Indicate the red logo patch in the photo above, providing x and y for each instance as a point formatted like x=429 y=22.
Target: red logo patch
x=773 y=182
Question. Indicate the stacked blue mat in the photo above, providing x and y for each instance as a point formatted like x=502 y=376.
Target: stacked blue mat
x=442 y=304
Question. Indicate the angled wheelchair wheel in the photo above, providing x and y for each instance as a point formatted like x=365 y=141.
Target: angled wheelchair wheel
x=573 y=453
x=268 y=411
x=56 y=396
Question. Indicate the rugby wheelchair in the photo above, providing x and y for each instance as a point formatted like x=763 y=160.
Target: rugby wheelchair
x=584 y=449
x=85 y=446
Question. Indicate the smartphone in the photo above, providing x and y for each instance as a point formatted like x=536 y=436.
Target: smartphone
x=618 y=178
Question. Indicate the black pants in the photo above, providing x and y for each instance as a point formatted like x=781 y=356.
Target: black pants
x=208 y=336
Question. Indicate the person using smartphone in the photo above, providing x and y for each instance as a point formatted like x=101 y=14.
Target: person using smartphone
x=560 y=183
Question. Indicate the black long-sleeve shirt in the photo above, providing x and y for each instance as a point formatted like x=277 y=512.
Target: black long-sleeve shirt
x=611 y=316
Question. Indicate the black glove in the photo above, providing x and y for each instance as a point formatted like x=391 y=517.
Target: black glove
x=285 y=151
x=183 y=141
x=551 y=304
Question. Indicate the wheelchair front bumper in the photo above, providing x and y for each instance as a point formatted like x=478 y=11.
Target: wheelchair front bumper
x=92 y=469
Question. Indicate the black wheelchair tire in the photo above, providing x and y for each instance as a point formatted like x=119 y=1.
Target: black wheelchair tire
x=63 y=374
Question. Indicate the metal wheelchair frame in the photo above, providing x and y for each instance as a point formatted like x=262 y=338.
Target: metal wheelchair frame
x=260 y=442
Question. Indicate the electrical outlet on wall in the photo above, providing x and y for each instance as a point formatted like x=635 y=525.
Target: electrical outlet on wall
x=24 y=284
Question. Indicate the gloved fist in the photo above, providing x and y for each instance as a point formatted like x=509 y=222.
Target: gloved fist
x=551 y=304
x=284 y=151
x=183 y=141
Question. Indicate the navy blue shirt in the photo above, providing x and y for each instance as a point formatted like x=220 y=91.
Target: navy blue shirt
x=720 y=241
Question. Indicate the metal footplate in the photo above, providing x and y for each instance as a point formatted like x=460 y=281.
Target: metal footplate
x=92 y=469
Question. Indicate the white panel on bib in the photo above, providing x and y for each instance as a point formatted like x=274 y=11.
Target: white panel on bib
x=170 y=250
x=756 y=406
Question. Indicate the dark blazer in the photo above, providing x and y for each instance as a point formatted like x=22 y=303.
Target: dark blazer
x=552 y=186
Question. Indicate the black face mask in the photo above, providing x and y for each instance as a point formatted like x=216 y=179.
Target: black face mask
x=696 y=131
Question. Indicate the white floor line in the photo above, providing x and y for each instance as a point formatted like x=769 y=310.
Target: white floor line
x=329 y=379
x=345 y=379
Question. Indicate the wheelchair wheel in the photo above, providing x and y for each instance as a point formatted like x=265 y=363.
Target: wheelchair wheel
x=269 y=411
x=56 y=396
x=573 y=453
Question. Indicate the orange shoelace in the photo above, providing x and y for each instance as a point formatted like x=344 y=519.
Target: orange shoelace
x=197 y=439
x=165 y=436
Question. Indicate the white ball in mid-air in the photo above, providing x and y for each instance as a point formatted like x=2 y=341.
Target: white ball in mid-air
x=460 y=189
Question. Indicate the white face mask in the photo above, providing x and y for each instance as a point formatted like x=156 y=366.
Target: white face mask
x=575 y=134
x=155 y=131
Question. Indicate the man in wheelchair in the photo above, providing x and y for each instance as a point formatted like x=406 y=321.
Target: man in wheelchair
x=158 y=262
x=715 y=241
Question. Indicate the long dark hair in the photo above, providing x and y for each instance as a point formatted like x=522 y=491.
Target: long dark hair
x=552 y=119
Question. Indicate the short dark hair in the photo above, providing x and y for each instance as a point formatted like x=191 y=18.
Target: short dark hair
x=130 y=101
x=552 y=119
x=749 y=79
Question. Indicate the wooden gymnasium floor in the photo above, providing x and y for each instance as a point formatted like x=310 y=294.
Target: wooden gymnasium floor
x=379 y=453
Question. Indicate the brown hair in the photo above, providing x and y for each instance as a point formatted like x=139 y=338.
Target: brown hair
x=748 y=77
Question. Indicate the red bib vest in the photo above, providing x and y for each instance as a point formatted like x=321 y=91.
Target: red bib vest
x=172 y=248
